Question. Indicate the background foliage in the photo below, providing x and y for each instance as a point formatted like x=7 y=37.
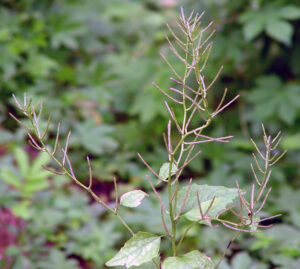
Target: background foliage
x=92 y=63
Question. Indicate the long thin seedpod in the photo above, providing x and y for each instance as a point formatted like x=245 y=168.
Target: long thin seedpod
x=239 y=229
x=156 y=193
x=57 y=138
x=186 y=86
x=18 y=121
x=254 y=174
x=149 y=167
x=263 y=186
x=199 y=93
x=257 y=149
x=90 y=172
x=176 y=53
x=178 y=43
x=187 y=161
x=210 y=206
x=31 y=144
x=222 y=99
x=17 y=103
x=200 y=45
x=208 y=48
x=257 y=164
x=279 y=157
x=242 y=199
x=52 y=170
x=252 y=199
x=167 y=146
x=116 y=194
x=173 y=116
x=70 y=165
x=218 y=139
x=34 y=142
x=169 y=137
x=175 y=36
x=164 y=222
x=66 y=148
x=222 y=108
x=40 y=112
x=263 y=202
x=36 y=123
x=215 y=78
x=268 y=218
x=169 y=96
x=187 y=97
x=185 y=199
x=47 y=127
x=200 y=207
x=170 y=66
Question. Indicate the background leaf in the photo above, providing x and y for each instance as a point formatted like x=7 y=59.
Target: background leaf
x=289 y=12
x=253 y=28
x=280 y=30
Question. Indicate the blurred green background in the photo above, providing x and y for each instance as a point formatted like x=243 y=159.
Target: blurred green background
x=92 y=62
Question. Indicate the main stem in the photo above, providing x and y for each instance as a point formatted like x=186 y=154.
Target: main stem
x=171 y=209
x=173 y=237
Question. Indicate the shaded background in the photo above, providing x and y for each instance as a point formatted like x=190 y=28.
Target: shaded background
x=92 y=63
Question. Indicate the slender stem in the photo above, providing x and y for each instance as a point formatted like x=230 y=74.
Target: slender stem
x=185 y=233
x=228 y=246
x=97 y=199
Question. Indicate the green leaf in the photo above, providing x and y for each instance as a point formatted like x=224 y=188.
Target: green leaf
x=280 y=30
x=31 y=187
x=22 y=210
x=97 y=139
x=11 y=178
x=22 y=160
x=164 y=170
x=289 y=12
x=42 y=159
x=141 y=248
x=281 y=99
x=291 y=142
x=39 y=65
x=287 y=112
x=252 y=29
x=132 y=198
x=241 y=261
x=223 y=198
x=191 y=260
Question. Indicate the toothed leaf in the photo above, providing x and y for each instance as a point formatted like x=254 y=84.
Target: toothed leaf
x=191 y=260
x=224 y=197
x=141 y=248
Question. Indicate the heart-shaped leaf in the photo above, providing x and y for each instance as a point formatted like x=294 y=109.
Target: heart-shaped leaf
x=164 y=170
x=141 y=248
x=223 y=198
x=132 y=198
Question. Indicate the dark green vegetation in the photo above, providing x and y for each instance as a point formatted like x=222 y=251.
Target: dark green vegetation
x=92 y=64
